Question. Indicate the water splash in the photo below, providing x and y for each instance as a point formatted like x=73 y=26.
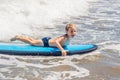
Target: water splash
x=34 y=18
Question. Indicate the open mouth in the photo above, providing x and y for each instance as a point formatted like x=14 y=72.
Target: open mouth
x=72 y=35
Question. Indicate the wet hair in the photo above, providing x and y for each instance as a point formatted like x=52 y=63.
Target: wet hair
x=70 y=25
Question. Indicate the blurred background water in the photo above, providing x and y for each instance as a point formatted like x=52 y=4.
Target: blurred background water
x=98 y=22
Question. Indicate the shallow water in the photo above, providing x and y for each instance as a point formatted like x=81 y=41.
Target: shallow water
x=99 y=26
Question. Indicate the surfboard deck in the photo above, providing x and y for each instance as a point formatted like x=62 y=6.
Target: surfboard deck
x=26 y=49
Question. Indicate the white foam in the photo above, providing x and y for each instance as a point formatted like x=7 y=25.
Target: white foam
x=19 y=62
x=9 y=78
x=6 y=62
x=67 y=75
x=110 y=45
x=31 y=17
x=113 y=46
x=19 y=78
x=2 y=76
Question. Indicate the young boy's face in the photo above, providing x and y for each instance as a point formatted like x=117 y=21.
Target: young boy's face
x=71 y=32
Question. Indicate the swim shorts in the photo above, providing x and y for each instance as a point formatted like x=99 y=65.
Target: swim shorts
x=46 y=41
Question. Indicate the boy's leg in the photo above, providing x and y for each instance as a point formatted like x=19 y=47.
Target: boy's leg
x=28 y=40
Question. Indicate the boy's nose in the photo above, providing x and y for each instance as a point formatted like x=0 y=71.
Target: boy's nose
x=74 y=33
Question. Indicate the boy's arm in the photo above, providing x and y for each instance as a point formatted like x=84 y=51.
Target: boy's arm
x=57 y=42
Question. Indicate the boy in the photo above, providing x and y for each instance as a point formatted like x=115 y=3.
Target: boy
x=58 y=42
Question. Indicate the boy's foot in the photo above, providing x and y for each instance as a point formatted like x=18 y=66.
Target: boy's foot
x=13 y=39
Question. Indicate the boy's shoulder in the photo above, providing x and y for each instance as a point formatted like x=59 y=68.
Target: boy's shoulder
x=63 y=36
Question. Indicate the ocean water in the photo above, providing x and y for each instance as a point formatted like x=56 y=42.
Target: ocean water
x=98 y=22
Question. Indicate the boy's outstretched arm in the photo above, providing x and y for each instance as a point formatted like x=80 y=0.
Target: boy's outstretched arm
x=58 y=45
x=64 y=53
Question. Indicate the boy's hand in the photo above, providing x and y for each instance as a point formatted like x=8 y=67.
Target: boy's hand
x=64 y=53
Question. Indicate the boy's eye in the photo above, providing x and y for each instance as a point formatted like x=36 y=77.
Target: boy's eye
x=73 y=31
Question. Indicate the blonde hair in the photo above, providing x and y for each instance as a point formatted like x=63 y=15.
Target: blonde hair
x=70 y=25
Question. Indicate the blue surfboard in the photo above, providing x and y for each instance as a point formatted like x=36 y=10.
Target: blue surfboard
x=26 y=49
